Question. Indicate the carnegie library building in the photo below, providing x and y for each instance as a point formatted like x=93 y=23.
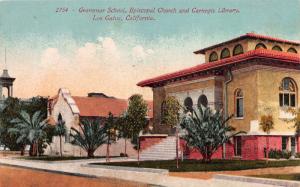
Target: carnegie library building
x=247 y=77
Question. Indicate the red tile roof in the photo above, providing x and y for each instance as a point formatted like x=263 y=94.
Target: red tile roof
x=259 y=53
x=248 y=35
x=99 y=106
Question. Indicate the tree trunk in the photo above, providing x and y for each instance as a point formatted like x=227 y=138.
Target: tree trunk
x=60 y=146
x=37 y=148
x=125 y=147
x=107 y=152
x=90 y=153
x=23 y=150
x=267 y=151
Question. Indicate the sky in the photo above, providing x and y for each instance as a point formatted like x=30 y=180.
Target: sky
x=47 y=50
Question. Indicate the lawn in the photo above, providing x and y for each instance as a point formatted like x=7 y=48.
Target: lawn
x=294 y=176
x=58 y=158
x=197 y=165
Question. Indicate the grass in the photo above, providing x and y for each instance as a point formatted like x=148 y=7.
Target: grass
x=197 y=165
x=293 y=176
x=58 y=158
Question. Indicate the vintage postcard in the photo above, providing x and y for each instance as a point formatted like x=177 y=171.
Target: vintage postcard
x=149 y=93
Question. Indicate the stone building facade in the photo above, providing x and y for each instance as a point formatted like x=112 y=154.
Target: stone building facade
x=247 y=76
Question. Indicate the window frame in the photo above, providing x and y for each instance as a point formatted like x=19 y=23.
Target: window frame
x=277 y=48
x=239 y=99
x=210 y=56
x=286 y=95
x=234 y=53
x=222 y=53
x=292 y=50
x=260 y=46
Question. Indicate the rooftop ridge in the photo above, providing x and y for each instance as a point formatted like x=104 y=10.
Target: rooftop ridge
x=247 y=35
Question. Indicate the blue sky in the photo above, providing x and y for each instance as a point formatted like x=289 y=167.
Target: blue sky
x=33 y=34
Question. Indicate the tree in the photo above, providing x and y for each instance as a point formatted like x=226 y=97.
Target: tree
x=135 y=117
x=170 y=116
x=111 y=128
x=170 y=111
x=206 y=131
x=124 y=132
x=266 y=124
x=60 y=130
x=90 y=136
x=30 y=129
x=10 y=110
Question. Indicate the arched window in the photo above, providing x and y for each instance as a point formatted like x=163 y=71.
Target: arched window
x=225 y=53
x=260 y=46
x=238 y=49
x=287 y=93
x=239 y=103
x=188 y=103
x=213 y=57
x=202 y=101
x=292 y=50
x=277 y=48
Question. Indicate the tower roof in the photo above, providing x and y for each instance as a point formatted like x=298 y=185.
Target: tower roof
x=5 y=76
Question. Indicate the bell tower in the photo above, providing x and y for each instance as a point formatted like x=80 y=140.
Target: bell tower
x=6 y=82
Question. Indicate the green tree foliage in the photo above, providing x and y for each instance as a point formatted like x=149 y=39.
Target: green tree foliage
x=35 y=104
x=10 y=109
x=29 y=129
x=135 y=119
x=60 y=130
x=206 y=131
x=170 y=111
x=90 y=135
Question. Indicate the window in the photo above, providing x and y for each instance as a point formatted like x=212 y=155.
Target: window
x=292 y=50
x=213 y=57
x=284 y=143
x=277 y=48
x=287 y=93
x=202 y=101
x=225 y=53
x=188 y=103
x=239 y=103
x=238 y=49
x=238 y=146
x=260 y=46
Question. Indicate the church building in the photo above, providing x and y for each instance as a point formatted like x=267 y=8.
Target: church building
x=248 y=76
x=94 y=106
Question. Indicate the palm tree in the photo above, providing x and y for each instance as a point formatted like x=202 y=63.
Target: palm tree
x=206 y=131
x=30 y=129
x=90 y=136
x=267 y=124
x=60 y=130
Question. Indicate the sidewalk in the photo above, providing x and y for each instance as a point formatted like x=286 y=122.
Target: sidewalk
x=81 y=168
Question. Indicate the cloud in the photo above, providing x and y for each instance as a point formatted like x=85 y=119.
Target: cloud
x=139 y=54
x=108 y=64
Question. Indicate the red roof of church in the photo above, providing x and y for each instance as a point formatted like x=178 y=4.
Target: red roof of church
x=258 y=53
x=248 y=35
x=101 y=106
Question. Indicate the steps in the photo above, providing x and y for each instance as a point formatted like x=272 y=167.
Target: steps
x=164 y=150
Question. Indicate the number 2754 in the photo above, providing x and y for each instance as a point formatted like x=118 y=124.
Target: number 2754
x=61 y=9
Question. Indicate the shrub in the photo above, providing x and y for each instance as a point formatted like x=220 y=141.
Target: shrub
x=277 y=154
x=123 y=155
x=297 y=155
